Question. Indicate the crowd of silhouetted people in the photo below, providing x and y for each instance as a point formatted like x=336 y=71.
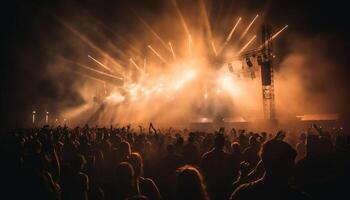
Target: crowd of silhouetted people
x=124 y=163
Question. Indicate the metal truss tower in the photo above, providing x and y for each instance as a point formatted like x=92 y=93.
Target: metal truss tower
x=267 y=75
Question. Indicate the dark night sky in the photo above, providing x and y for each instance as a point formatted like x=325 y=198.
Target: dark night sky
x=28 y=25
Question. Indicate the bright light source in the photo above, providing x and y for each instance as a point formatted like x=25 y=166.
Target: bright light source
x=190 y=74
x=206 y=96
x=115 y=98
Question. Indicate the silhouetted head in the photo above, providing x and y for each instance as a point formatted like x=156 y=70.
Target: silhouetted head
x=124 y=149
x=137 y=163
x=180 y=140
x=190 y=185
x=78 y=162
x=219 y=141
x=236 y=147
x=278 y=159
x=124 y=175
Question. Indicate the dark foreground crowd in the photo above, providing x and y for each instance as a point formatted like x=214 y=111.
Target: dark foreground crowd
x=122 y=163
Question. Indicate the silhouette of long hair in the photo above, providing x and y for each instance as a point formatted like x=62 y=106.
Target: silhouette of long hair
x=137 y=163
x=190 y=184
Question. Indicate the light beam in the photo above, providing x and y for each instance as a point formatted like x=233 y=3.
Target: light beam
x=101 y=64
x=274 y=36
x=231 y=33
x=246 y=45
x=157 y=54
x=189 y=45
x=172 y=50
x=183 y=22
x=214 y=48
x=134 y=63
x=248 y=27
x=91 y=44
x=150 y=29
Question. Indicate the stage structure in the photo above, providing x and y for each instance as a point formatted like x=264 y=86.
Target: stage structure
x=256 y=60
x=264 y=57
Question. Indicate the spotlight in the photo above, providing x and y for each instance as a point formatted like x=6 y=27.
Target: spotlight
x=249 y=63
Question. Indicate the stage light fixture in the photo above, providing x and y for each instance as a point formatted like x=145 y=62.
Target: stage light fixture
x=259 y=60
x=249 y=63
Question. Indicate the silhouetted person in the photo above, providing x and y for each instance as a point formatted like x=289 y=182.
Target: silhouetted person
x=278 y=160
x=178 y=146
x=123 y=152
x=217 y=170
x=315 y=174
x=145 y=186
x=251 y=153
x=124 y=182
x=236 y=151
x=190 y=185
x=75 y=183
x=38 y=182
x=167 y=168
x=301 y=147
x=191 y=152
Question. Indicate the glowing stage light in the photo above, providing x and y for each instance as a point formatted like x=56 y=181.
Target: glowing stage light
x=47 y=117
x=190 y=74
x=186 y=77
x=228 y=85
x=115 y=98
x=33 y=116
x=248 y=27
x=146 y=92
